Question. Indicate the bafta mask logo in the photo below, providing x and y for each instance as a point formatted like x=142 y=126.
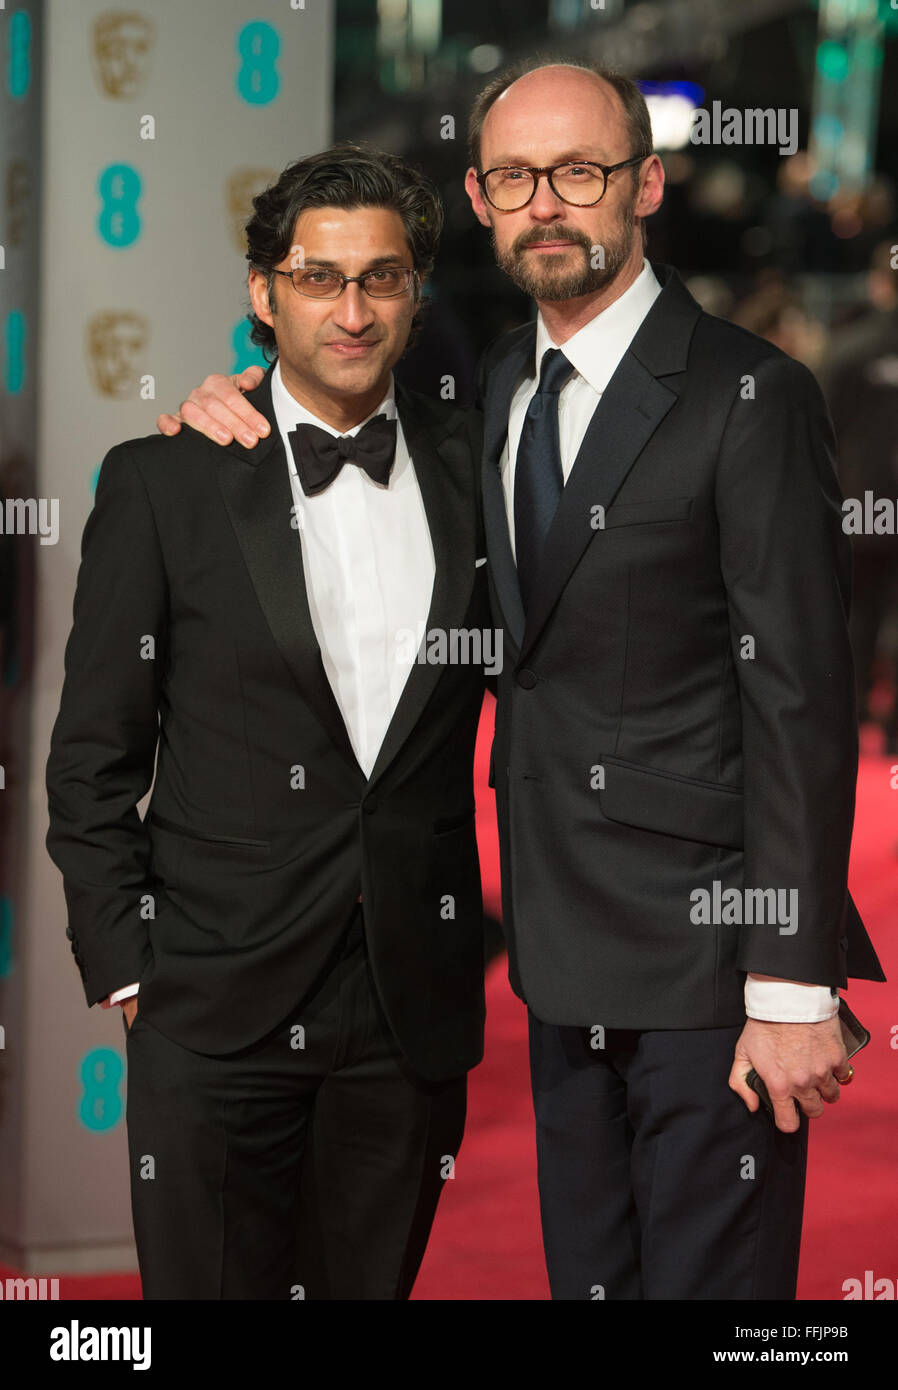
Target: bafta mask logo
x=122 y=45
x=241 y=188
x=18 y=198
x=115 y=342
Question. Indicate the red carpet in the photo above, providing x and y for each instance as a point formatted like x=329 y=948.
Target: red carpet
x=486 y=1244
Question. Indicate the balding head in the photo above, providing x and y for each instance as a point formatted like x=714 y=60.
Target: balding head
x=557 y=103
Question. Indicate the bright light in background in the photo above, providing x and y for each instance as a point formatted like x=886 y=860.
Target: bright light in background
x=392 y=23
x=833 y=61
x=671 y=106
x=847 y=82
x=426 y=25
x=409 y=26
x=485 y=57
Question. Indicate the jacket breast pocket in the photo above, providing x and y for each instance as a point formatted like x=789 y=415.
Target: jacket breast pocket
x=671 y=804
x=651 y=513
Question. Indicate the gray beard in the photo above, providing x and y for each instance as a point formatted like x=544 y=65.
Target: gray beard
x=551 y=283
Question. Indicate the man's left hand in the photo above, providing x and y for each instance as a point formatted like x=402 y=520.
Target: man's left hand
x=793 y=1060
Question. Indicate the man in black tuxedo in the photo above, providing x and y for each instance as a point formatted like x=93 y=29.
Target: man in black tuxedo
x=676 y=740
x=295 y=930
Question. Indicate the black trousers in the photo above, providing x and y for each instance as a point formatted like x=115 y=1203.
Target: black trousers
x=655 y=1181
x=306 y=1166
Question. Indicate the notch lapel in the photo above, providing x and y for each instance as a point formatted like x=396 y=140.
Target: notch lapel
x=255 y=487
x=632 y=407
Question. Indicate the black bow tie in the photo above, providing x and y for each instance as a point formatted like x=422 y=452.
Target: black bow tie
x=320 y=456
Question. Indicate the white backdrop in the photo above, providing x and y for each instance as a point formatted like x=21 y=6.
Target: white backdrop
x=142 y=292
x=20 y=152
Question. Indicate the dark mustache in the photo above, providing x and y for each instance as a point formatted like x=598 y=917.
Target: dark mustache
x=554 y=234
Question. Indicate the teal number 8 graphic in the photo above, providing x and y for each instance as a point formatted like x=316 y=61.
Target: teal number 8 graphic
x=119 y=187
x=5 y=936
x=246 y=353
x=18 y=75
x=258 y=45
x=101 y=1104
x=15 y=352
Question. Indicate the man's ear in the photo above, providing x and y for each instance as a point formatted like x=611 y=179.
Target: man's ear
x=478 y=203
x=651 y=187
x=258 y=294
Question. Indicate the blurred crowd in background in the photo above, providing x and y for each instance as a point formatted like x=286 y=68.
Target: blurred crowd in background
x=800 y=248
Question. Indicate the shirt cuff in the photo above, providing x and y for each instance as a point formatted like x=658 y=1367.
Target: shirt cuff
x=787 y=1001
x=124 y=993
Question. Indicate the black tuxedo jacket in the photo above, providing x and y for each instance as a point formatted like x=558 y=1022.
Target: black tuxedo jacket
x=192 y=626
x=677 y=708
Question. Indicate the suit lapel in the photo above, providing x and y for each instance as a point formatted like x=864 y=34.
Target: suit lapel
x=255 y=486
x=445 y=476
x=632 y=407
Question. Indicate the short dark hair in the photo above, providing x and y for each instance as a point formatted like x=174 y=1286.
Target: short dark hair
x=347 y=175
x=639 y=123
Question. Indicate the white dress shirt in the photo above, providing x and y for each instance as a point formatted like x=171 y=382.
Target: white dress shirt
x=595 y=351
x=369 y=569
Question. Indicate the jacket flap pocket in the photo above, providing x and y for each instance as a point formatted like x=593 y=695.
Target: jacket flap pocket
x=671 y=804
x=641 y=513
x=206 y=836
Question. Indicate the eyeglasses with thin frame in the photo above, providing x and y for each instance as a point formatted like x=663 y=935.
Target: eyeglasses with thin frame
x=510 y=187
x=383 y=282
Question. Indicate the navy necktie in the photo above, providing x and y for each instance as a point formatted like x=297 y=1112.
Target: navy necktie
x=538 y=480
x=319 y=455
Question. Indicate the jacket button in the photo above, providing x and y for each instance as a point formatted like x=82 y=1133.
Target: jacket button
x=843 y=942
x=526 y=678
x=370 y=805
x=70 y=934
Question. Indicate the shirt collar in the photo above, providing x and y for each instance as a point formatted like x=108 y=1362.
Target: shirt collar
x=289 y=413
x=596 y=349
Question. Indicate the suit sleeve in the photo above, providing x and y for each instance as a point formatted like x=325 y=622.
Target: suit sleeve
x=103 y=745
x=786 y=565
